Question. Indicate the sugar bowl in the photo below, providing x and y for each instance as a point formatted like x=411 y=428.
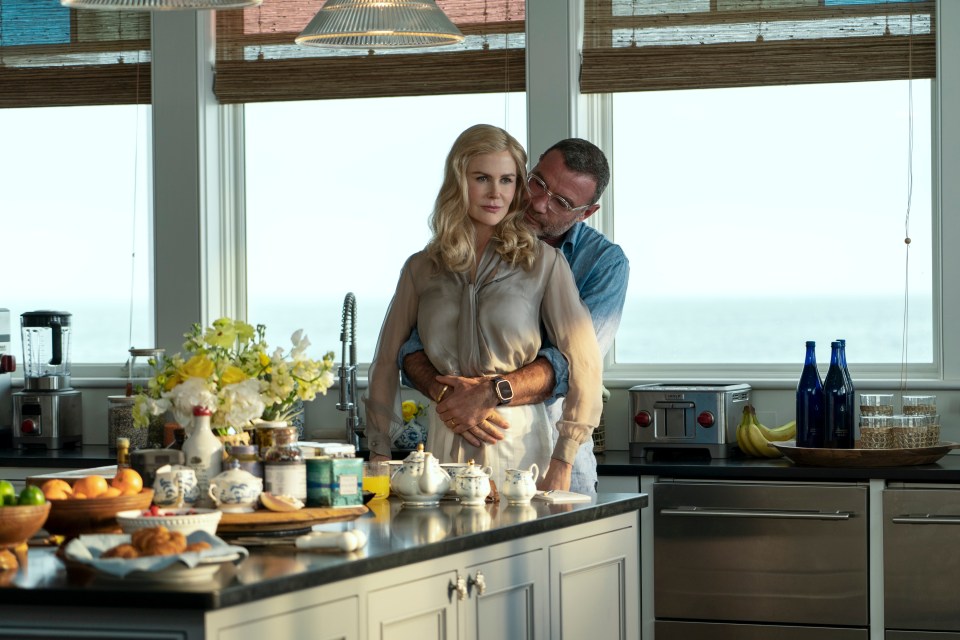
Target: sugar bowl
x=472 y=484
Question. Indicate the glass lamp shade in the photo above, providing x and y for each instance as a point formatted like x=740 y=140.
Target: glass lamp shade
x=373 y=24
x=158 y=5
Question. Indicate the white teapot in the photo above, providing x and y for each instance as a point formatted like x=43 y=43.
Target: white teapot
x=472 y=484
x=420 y=481
x=520 y=485
x=236 y=490
x=175 y=486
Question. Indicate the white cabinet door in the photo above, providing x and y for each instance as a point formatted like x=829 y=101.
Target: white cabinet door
x=508 y=598
x=595 y=587
x=418 y=609
x=329 y=621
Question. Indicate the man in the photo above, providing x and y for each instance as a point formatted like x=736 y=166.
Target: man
x=565 y=187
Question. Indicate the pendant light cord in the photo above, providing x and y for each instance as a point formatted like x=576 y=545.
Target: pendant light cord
x=906 y=224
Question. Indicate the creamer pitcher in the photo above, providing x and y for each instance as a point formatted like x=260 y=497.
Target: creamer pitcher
x=520 y=485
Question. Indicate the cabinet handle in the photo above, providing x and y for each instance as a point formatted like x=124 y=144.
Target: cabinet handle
x=926 y=519
x=460 y=587
x=480 y=583
x=747 y=513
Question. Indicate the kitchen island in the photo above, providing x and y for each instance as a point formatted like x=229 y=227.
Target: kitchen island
x=449 y=571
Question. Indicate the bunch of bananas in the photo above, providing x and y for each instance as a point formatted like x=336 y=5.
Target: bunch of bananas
x=753 y=438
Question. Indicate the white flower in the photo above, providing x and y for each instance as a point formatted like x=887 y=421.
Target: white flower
x=240 y=404
x=192 y=392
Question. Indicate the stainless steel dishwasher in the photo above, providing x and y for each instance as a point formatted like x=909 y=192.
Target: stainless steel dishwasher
x=921 y=566
x=753 y=560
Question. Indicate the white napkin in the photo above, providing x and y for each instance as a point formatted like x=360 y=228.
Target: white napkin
x=86 y=549
x=556 y=496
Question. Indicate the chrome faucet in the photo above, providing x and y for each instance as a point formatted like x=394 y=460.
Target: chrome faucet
x=348 y=371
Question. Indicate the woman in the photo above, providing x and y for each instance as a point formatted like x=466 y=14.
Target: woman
x=479 y=294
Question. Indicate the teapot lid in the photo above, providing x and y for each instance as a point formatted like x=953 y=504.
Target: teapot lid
x=416 y=456
x=471 y=470
x=235 y=474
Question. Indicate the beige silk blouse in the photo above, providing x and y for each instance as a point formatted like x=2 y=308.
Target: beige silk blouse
x=487 y=328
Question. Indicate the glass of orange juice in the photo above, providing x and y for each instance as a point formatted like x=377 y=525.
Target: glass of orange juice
x=376 y=478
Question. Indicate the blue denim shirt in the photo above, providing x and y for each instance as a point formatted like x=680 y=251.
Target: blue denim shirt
x=601 y=270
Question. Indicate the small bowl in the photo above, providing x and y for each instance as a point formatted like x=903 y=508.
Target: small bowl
x=71 y=518
x=19 y=523
x=186 y=520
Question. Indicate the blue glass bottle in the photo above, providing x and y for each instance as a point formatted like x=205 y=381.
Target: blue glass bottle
x=838 y=393
x=810 y=402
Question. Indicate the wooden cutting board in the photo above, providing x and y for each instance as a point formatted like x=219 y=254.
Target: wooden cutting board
x=263 y=520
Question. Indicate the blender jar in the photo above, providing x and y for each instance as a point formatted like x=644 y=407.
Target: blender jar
x=46 y=349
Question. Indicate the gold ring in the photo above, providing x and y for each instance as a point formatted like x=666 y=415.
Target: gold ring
x=453 y=423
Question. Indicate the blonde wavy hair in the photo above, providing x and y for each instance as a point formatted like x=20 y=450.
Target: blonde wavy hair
x=452 y=245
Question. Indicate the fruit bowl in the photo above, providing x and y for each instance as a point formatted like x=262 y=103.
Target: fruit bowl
x=93 y=515
x=19 y=523
x=186 y=520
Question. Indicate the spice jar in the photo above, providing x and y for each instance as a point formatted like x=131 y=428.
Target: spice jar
x=247 y=459
x=284 y=467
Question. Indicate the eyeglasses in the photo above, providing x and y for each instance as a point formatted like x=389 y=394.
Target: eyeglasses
x=539 y=188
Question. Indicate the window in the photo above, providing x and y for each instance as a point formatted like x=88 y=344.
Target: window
x=75 y=205
x=758 y=218
x=338 y=193
x=767 y=155
x=74 y=195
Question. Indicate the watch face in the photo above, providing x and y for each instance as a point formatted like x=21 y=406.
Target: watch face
x=504 y=390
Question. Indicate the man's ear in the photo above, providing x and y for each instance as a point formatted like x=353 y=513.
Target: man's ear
x=589 y=211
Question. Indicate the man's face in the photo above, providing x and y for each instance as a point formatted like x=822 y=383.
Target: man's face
x=546 y=215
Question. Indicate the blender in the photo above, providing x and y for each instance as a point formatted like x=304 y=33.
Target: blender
x=47 y=412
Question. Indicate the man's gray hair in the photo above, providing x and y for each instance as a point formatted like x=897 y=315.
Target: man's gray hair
x=582 y=156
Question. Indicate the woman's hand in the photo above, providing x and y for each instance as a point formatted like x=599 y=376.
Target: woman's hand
x=558 y=476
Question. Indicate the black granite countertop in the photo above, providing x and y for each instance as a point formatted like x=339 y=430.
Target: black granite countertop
x=396 y=537
x=619 y=463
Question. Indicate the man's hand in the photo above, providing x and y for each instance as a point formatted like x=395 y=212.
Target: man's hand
x=558 y=476
x=467 y=409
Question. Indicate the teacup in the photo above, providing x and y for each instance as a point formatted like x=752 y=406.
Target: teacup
x=235 y=490
x=520 y=485
x=175 y=486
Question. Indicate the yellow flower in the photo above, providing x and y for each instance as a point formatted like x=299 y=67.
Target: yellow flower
x=409 y=408
x=264 y=362
x=196 y=367
x=232 y=375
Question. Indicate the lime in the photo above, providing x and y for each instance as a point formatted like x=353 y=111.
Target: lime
x=9 y=501
x=7 y=493
x=31 y=495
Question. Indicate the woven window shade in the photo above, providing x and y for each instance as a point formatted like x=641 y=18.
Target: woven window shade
x=258 y=61
x=54 y=56
x=650 y=45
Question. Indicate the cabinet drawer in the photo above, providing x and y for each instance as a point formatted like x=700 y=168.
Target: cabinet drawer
x=921 y=573
x=761 y=552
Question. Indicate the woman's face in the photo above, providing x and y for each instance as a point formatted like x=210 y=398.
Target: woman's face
x=491 y=185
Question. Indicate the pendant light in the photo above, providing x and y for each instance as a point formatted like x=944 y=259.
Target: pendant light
x=158 y=5
x=373 y=24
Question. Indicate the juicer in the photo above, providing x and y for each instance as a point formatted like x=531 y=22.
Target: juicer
x=47 y=412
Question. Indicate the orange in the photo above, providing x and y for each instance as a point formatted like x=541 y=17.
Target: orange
x=128 y=481
x=56 y=489
x=111 y=492
x=90 y=486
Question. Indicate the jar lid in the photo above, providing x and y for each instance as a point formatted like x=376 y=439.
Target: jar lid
x=121 y=399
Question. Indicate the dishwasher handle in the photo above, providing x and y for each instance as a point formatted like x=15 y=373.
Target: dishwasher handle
x=755 y=513
x=926 y=519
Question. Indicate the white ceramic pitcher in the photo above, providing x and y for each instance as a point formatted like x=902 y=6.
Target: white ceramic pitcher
x=520 y=485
